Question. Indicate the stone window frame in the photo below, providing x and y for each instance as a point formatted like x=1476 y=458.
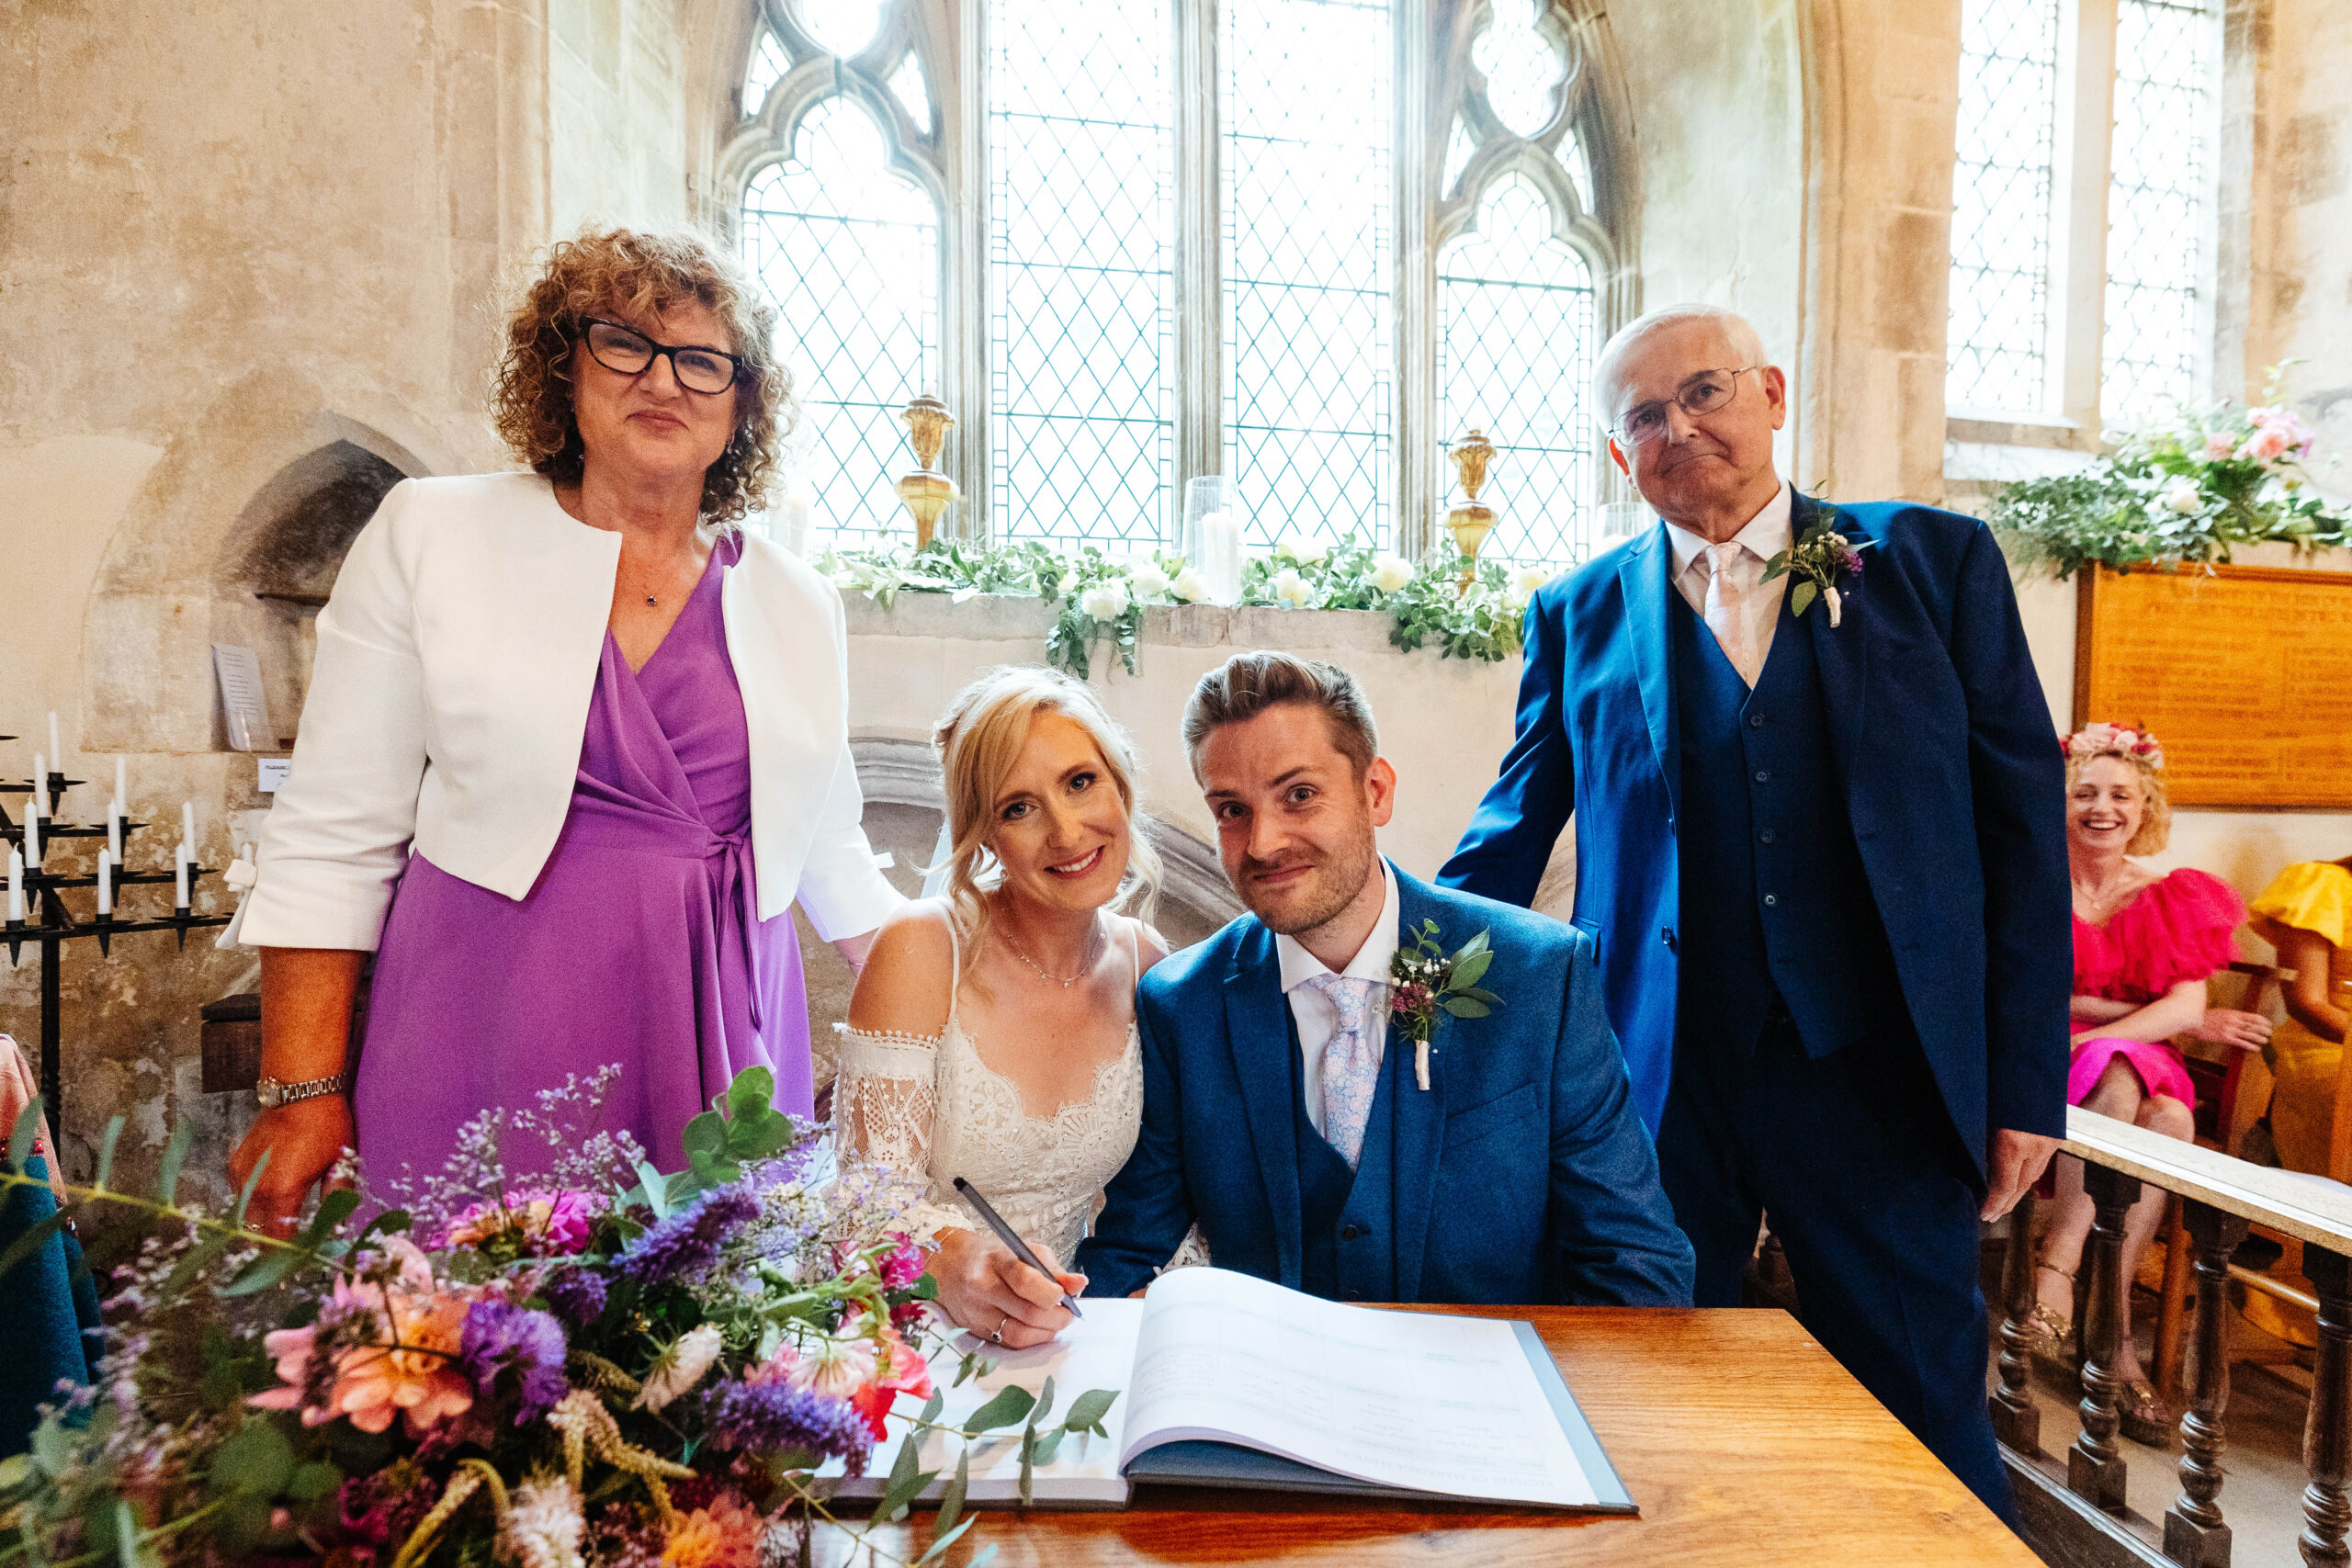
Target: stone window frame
x=2081 y=171
x=1437 y=83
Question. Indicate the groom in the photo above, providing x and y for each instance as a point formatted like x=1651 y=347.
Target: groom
x=1283 y=1112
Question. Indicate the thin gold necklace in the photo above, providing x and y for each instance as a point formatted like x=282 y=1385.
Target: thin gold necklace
x=1084 y=969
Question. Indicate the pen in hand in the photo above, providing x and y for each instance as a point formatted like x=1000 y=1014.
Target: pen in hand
x=1005 y=1234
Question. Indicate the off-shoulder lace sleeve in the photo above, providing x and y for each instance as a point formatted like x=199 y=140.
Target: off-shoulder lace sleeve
x=884 y=1100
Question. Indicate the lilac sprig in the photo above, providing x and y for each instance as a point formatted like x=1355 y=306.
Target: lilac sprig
x=775 y=1415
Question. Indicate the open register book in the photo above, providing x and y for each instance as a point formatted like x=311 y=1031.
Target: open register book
x=1225 y=1380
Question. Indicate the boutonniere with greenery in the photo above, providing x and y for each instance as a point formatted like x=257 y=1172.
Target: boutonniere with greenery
x=1820 y=558
x=1424 y=979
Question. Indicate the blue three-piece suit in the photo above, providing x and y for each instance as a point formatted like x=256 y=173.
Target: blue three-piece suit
x=1832 y=922
x=1520 y=1174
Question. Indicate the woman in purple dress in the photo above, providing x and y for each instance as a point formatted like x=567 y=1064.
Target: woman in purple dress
x=573 y=746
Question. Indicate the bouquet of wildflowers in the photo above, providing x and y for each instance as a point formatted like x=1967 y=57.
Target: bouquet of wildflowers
x=2185 y=491
x=601 y=1367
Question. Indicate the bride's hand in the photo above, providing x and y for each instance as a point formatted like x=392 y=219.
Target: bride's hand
x=990 y=1292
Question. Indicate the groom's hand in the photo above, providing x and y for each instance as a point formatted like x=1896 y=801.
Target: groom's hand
x=995 y=1296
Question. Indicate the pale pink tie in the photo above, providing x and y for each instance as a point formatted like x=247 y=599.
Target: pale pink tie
x=1351 y=1070
x=1730 y=581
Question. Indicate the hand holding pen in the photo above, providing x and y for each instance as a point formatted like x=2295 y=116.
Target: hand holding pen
x=991 y=1289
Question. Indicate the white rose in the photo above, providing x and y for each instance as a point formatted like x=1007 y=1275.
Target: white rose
x=1290 y=589
x=1149 y=581
x=2185 y=497
x=1390 y=572
x=1106 y=601
x=1190 y=586
x=1298 y=549
x=1068 y=582
x=1528 y=579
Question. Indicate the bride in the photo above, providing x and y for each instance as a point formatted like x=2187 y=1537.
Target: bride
x=992 y=1033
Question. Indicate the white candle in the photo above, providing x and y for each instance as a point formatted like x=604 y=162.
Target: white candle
x=179 y=878
x=105 y=884
x=32 y=825
x=796 y=508
x=188 y=824
x=54 y=748
x=16 y=884
x=114 y=828
x=121 y=785
x=41 y=775
x=1220 y=562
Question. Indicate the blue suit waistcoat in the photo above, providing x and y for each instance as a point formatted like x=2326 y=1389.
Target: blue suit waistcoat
x=1940 y=742
x=1521 y=1175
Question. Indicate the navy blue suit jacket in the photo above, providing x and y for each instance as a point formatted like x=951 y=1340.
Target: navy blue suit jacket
x=1521 y=1176
x=1953 y=775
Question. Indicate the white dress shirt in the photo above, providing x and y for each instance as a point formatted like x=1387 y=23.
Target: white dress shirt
x=1316 y=1017
x=1767 y=535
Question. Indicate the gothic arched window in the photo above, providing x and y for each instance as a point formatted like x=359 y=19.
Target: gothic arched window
x=1132 y=242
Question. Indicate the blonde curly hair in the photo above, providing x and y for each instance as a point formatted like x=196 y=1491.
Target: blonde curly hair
x=978 y=739
x=641 y=273
x=2139 y=751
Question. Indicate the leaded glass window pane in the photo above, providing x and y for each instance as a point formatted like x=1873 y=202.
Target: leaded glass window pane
x=1999 y=348
x=1516 y=337
x=1522 y=68
x=2157 y=208
x=1307 y=119
x=767 y=69
x=1081 y=236
x=841 y=27
x=850 y=250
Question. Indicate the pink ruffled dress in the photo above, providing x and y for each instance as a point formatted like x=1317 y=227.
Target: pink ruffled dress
x=2176 y=930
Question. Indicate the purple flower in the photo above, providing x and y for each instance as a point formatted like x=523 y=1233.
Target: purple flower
x=577 y=1293
x=501 y=1337
x=688 y=1241
x=776 y=1415
x=904 y=1265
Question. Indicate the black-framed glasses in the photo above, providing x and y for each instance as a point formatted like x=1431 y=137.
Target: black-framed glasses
x=1704 y=393
x=625 y=351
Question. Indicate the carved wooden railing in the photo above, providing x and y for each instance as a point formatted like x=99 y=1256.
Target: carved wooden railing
x=2219 y=1197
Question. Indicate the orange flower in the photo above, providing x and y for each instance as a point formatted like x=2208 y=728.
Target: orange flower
x=898 y=1369
x=410 y=1371
x=723 y=1533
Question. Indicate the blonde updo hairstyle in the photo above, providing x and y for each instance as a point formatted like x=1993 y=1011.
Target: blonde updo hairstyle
x=979 y=740
x=2146 y=763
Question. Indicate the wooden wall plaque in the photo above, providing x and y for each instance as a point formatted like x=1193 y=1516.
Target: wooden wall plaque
x=2243 y=673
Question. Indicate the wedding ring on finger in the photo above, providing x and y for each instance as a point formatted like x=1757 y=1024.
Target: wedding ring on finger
x=998 y=1337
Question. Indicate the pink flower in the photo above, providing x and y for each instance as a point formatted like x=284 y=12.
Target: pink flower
x=898 y=1369
x=2266 y=444
x=905 y=1265
x=550 y=1224
x=409 y=1365
x=2218 y=444
x=1409 y=998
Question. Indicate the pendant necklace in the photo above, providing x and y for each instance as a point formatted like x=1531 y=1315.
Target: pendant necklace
x=1057 y=979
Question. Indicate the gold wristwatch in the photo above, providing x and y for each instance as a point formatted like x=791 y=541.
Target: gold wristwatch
x=273 y=1093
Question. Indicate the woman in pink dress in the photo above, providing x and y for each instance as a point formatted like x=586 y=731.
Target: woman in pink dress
x=2145 y=943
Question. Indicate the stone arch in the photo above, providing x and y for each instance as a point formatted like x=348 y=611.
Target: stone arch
x=264 y=494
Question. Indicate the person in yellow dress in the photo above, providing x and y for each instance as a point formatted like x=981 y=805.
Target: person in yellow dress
x=2306 y=914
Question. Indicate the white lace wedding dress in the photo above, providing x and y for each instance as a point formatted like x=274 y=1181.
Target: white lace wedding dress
x=932 y=1108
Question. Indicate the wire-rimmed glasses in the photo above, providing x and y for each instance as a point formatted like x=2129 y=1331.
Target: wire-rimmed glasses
x=625 y=351
x=1706 y=392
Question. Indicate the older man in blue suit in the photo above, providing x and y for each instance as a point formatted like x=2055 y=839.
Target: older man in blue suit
x=1820 y=841
x=1285 y=1117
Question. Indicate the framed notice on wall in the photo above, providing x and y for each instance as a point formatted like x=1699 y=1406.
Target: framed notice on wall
x=2243 y=673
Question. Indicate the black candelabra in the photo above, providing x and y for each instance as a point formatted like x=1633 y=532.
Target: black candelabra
x=45 y=921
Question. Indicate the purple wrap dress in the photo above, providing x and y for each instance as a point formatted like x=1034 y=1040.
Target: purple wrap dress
x=640 y=944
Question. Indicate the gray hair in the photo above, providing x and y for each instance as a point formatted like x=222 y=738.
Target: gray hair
x=1745 y=341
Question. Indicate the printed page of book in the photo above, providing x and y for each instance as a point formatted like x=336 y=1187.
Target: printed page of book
x=1442 y=1404
x=1096 y=1351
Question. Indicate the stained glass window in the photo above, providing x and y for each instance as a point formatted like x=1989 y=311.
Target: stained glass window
x=849 y=250
x=1307 y=119
x=1081 y=236
x=2157 y=210
x=1999 y=348
x=1516 y=336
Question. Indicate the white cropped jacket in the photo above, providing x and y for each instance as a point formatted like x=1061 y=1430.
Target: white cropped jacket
x=450 y=699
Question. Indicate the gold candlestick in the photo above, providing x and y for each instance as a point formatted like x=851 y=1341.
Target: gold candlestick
x=1471 y=522
x=927 y=491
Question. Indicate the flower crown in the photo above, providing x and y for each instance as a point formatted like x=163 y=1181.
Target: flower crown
x=2114 y=740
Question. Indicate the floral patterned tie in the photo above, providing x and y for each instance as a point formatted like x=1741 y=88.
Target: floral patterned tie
x=1351 y=1067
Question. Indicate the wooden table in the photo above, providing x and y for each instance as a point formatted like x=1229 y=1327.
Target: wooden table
x=1742 y=1440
